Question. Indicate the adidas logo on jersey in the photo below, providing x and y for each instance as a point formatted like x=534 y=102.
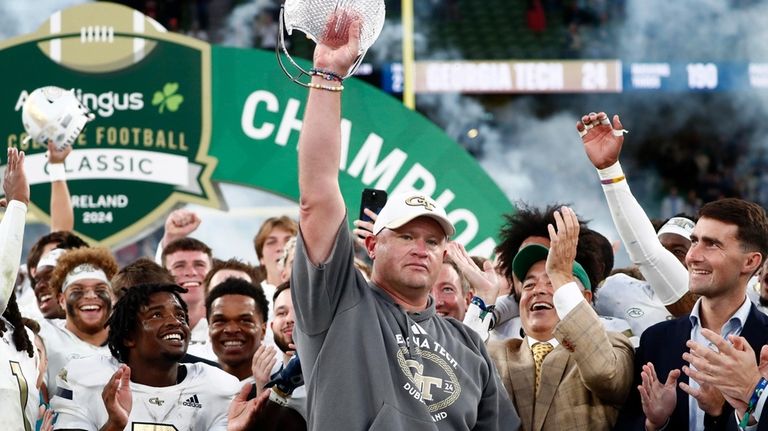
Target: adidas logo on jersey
x=193 y=402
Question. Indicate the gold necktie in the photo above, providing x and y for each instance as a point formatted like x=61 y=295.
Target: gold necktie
x=540 y=351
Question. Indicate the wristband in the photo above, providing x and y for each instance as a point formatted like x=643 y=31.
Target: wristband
x=753 y=402
x=613 y=180
x=56 y=172
x=479 y=302
x=613 y=171
x=484 y=310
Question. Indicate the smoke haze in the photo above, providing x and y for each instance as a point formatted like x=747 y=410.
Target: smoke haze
x=537 y=156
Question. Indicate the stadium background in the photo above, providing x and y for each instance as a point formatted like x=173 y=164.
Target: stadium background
x=691 y=94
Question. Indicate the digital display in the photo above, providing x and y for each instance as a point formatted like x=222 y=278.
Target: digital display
x=578 y=76
x=566 y=76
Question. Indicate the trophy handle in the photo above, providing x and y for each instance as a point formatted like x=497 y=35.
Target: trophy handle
x=280 y=46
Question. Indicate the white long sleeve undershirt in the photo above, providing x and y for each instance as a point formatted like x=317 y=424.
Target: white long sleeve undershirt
x=666 y=275
x=11 y=241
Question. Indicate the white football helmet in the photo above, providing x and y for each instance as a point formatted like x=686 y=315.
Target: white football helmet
x=52 y=113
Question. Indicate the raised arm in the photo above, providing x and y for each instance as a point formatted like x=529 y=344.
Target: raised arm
x=321 y=204
x=16 y=200
x=62 y=213
x=666 y=275
x=180 y=223
x=604 y=361
x=118 y=399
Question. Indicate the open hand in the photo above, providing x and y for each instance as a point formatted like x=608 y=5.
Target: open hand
x=707 y=396
x=601 y=144
x=485 y=282
x=243 y=412
x=117 y=398
x=562 y=249
x=732 y=369
x=340 y=43
x=261 y=366
x=15 y=183
x=658 y=399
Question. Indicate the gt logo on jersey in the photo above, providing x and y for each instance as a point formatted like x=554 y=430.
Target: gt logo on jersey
x=156 y=401
x=193 y=402
x=63 y=374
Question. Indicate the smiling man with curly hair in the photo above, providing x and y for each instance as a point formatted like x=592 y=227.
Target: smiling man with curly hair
x=80 y=282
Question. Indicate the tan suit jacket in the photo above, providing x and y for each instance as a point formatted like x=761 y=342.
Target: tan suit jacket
x=584 y=380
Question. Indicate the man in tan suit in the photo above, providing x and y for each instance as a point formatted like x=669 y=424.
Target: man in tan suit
x=568 y=373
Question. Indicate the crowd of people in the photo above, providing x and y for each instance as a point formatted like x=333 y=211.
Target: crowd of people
x=207 y=19
x=547 y=336
x=523 y=29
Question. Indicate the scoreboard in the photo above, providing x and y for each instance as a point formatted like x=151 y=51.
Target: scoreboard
x=703 y=76
x=577 y=76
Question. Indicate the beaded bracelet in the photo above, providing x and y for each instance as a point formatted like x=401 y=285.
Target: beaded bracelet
x=325 y=87
x=326 y=74
x=753 y=402
x=613 y=180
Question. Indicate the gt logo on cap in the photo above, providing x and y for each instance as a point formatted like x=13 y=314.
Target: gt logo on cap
x=416 y=201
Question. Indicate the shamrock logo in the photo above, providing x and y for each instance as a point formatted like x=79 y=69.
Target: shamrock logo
x=168 y=97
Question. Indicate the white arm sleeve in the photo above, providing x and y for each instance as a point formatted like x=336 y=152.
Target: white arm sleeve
x=11 y=238
x=473 y=320
x=666 y=275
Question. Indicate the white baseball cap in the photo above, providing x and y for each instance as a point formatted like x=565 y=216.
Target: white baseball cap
x=679 y=226
x=402 y=208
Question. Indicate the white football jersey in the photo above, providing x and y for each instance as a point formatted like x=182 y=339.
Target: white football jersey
x=63 y=346
x=199 y=403
x=512 y=328
x=632 y=300
x=616 y=324
x=200 y=343
x=25 y=298
x=19 y=397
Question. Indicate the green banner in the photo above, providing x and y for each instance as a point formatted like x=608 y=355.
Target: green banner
x=174 y=114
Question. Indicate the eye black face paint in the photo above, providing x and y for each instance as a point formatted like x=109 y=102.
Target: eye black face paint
x=104 y=296
x=77 y=296
x=74 y=296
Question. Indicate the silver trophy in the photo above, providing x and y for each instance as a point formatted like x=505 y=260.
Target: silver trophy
x=312 y=17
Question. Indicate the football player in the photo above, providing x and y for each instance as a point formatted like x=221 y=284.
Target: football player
x=18 y=362
x=148 y=388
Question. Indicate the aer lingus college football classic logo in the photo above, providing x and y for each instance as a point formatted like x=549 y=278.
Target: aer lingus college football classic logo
x=147 y=148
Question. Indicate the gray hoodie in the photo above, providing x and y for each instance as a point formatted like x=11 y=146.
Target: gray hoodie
x=368 y=364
